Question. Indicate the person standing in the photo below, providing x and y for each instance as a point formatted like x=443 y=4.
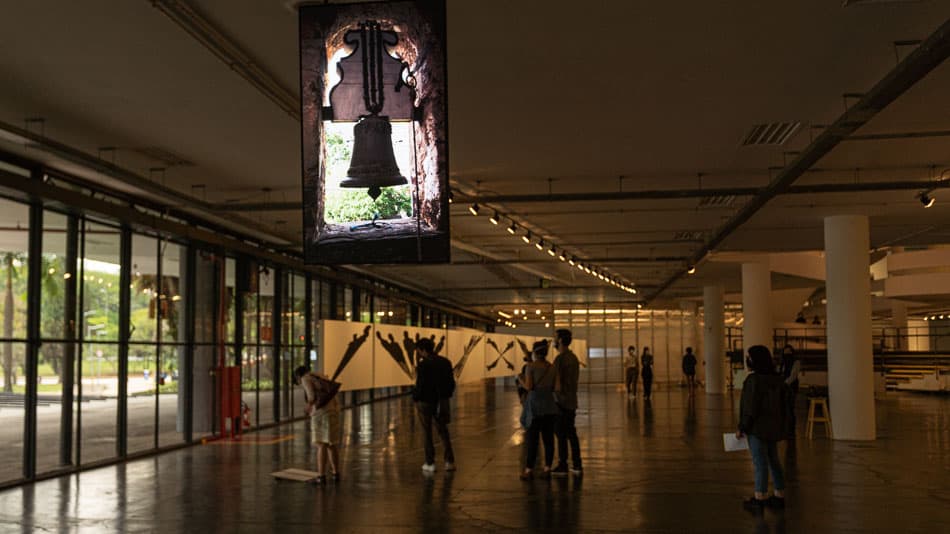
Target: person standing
x=567 y=368
x=791 y=367
x=539 y=412
x=632 y=364
x=324 y=420
x=435 y=384
x=689 y=369
x=763 y=410
x=646 y=372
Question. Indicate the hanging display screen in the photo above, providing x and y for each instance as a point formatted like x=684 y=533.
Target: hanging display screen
x=374 y=132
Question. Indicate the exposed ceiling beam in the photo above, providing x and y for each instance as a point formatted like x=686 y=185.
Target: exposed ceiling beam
x=656 y=194
x=914 y=67
x=230 y=53
x=619 y=259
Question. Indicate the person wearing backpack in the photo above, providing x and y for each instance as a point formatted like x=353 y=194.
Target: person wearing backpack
x=763 y=417
x=435 y=384
x=324 y=410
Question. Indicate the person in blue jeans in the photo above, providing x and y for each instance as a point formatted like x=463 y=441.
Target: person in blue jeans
x=763 y=417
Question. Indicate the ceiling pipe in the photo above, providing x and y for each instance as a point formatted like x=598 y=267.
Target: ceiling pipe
x=619 y=259
x=657 y=194
x=230 y=53
x=930 y=54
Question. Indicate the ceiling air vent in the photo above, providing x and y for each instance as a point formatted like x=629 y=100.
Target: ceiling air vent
x=717 y=201
x=688 y=235
x=167 y=158
x=776 y=133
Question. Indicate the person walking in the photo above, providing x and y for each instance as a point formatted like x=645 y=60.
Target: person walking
x=539 y=411
x=435 y=384
x=689 y=369
x=565 y=392
x=763 y=410
x=646 y=372
x=324 y=410
x=632 y=365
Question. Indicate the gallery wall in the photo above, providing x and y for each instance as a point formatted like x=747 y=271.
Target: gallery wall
x=364 y=356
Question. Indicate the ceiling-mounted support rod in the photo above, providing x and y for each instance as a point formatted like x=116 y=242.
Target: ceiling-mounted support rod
x=930 y=54
x=229 y=52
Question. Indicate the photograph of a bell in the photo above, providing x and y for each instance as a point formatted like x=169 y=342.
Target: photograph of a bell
x=373 y=165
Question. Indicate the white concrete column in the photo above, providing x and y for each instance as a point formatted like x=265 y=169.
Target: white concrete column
x=756 y=311
x=850 y=359
x=714 y=338
x=899 y=325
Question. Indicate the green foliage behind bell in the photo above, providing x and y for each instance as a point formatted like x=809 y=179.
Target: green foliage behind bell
x=351 y=205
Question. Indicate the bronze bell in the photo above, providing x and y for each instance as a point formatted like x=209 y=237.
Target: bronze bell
x=373 y=164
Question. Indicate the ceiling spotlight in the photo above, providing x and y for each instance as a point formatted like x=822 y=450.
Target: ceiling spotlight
x=562 y=256
x=572 y=261
x=580 y=266
x=526 y=238
x=539 y=245
x=474 y=209
x=494 y=218
x=639 y=306
x=451 y=196
x=512 y=229
x=537 y=312
x=691 y=270
x=926 y=199
x=551 y=251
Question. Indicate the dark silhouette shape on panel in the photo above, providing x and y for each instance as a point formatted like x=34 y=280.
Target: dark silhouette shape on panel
x=501 y=354
x=395 y=352
x=351 y=350
x=466 y=352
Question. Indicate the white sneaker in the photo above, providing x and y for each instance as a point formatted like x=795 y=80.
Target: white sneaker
x=428 y=468
x=449 y=466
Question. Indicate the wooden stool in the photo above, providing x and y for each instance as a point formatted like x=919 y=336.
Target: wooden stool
x=824 y=417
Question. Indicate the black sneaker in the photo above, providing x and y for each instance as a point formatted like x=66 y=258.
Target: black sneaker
x=754 y=505
x=559 y=471
x=776 y=502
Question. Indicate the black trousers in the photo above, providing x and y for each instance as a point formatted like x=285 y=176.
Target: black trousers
x=427 y=414
x=647 y=384
x=543 y=426
x=567 y=435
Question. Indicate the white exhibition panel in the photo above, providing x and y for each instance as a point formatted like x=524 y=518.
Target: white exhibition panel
x=391 y=365
x=348 y=340
x=502 y=356
x=466 y=349
x=579 y=347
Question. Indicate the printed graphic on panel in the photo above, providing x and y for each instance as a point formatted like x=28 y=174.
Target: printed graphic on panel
x=501 y=355
x=467 y=351
x=374 y=132
x=347 y=357
x=465 y=348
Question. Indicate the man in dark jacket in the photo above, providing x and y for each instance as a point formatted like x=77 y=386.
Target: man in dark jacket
x=435 y=384
x=763 y=417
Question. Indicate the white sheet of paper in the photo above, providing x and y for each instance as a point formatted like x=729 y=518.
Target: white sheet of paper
x=731 y=443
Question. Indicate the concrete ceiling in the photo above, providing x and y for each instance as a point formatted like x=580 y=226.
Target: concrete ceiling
x=545 y=96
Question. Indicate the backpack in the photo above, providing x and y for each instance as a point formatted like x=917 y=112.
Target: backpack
x=325 y=390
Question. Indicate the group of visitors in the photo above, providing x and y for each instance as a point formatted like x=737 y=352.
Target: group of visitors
x=642 y=368
x=549 y=405
x=637 y=368
x=549 y=408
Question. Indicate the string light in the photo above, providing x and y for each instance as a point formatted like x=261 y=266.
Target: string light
x=552 y=249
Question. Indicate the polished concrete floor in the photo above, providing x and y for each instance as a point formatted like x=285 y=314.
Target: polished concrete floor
x=655 y=467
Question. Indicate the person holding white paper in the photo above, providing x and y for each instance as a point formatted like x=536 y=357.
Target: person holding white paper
x=763 y=417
